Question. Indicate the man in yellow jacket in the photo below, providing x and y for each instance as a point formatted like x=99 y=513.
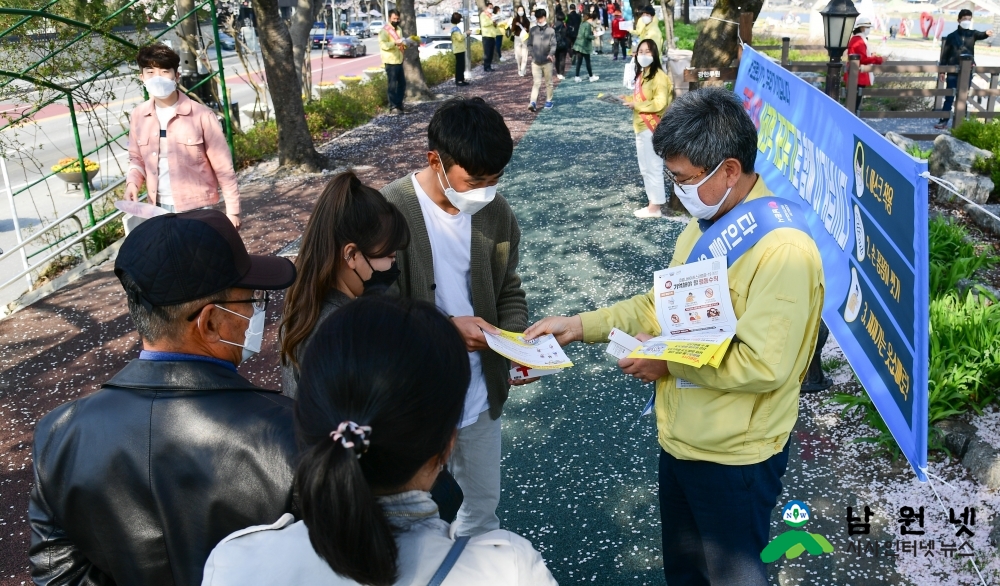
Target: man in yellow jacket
x=723 y=432
x=391 y=46
x=648 y=27
x=489 y=33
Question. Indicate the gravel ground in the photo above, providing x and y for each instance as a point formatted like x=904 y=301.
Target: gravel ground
x=579 y=466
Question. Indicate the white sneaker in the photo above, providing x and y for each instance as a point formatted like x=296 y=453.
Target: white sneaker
x=645 y=213
x=502 y=59
x=595 y=77
x=558 y=76
x=577 y=79
x=521 y=73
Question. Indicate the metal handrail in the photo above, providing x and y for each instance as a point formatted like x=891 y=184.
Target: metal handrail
x=62 y=219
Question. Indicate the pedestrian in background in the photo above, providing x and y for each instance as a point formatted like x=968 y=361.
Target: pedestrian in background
x=858 y=45
x=652 y=95
x=520 y=27
x=348 y=250
x=176 y=145
x=500 y=27
x=488 y=32
x=562 y=43
x=375 y=432
x=458 y=48
x=542 y=46
x=961 y=42
x=648 y=27
x=584 y=46
x=619 y=37
x=391 y=47
x=137 y=482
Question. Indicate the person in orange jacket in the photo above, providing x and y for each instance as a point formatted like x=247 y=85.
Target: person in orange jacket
x=858 y=45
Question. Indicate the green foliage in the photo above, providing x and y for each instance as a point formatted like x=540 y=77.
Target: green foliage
x=919 y=153
x=964 y=368
x=684 y=35
x=952 y=256
x=256 y=144
x=985 y=135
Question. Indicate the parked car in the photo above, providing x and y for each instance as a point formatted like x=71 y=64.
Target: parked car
x=226 y=42
x=435 y=48
x=358 y=29
x=345 y=47
x=375 y=26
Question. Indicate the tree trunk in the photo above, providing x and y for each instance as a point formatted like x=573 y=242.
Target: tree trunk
x=295 y=145
x=668 y=23
x=305 y=15
x=716 y=43
x=686 y=11
x=416 y=85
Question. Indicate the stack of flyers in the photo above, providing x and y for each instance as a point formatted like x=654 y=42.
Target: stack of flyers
x=538 y=357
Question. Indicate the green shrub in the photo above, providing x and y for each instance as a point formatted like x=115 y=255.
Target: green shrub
x=919 y=153
x=964 y=366
x=256 y=144
x=985 y=135
x=684 y=35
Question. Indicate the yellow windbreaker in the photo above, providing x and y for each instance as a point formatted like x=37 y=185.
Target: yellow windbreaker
x=659 y=93
x=650 y=31
x=391 y=55
x=745 y=409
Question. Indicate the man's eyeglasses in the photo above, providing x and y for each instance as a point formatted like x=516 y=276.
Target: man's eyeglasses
x=259 y=302
x=673 y=178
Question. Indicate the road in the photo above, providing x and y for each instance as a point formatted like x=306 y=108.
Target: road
x=49 y=138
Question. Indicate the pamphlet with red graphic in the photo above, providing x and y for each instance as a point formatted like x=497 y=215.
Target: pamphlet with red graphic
x=695 y=313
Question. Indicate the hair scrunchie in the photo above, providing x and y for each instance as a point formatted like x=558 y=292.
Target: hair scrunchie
x=352 y=436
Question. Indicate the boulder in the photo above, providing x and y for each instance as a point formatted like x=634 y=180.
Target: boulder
x=899 y=140
x=986 y=221
x=951 y=154
x=973 y=186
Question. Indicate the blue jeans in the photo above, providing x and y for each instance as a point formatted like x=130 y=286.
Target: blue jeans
x=397 y=85
x=488 y=49
x=950 y=82
x=716 y=519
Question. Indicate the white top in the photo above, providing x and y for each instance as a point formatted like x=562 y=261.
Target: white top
x=282 y=553
x=163 y=193
x=451 y=253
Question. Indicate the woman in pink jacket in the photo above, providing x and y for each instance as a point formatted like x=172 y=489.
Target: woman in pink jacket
x=858 y=45
x=176 y=146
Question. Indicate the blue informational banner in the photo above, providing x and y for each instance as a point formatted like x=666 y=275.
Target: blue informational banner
x=869 y=221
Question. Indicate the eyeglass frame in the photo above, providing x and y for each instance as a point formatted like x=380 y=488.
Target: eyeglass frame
x=673 y=178
x=259 y=303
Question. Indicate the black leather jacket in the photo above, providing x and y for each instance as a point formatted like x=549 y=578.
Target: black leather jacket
x=137 y=483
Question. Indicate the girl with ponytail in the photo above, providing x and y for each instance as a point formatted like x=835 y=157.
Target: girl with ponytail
x=382 y=386
x=348 y=249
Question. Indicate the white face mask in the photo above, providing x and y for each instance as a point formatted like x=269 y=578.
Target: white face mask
x=540 y=22
x=644 y=60
x=254 y=334
x=966 y=24
x=471 y=201
x=688 y=194
x=864 y=33
x=647 y=19
x=160 y=87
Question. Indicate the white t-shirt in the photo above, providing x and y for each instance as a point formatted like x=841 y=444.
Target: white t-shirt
x=451 y=252
x=163 y=193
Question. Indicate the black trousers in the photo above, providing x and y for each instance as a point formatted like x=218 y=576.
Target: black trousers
x=397 y=85
x=499 y=44
x=459 y=67
x=623 y=43
x=561 y=61
x=488 y=49
x=580 y=58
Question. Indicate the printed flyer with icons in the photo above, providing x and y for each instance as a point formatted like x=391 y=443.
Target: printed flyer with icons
x=541 y=353
x=695 y=313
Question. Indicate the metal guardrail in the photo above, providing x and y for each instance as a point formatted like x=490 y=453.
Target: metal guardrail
x=74 y=241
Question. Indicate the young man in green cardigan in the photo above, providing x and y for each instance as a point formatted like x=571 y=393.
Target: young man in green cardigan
x=463 y=257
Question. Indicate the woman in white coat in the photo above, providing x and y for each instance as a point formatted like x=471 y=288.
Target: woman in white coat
x=381 y=390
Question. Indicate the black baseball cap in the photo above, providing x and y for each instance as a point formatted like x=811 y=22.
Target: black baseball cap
x=649 y=10
x=176 y=258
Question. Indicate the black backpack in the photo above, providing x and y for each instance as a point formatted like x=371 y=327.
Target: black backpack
x=562 y=43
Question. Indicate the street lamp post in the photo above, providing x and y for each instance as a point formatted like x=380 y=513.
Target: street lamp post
x=838 y=25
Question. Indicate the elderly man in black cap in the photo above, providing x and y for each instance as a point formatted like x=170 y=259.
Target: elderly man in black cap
x=136 y=483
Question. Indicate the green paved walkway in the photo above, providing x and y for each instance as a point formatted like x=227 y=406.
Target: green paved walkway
x=579 y=474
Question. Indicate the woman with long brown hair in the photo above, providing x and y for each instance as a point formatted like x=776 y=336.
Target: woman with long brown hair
x=348 y=249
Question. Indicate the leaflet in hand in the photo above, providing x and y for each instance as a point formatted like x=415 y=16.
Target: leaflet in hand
x=620 y=344
x=542 y=353
x=695 y=314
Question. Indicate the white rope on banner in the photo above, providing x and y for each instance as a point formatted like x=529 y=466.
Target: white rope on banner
x=945 y=512
x=951 y=187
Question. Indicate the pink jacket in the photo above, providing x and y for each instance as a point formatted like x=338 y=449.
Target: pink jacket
x=199 y=158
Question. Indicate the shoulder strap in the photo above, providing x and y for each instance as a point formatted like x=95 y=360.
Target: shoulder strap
x=745 y=225
x=449 y=561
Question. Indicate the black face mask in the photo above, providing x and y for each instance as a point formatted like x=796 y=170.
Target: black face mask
x=380 y=281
